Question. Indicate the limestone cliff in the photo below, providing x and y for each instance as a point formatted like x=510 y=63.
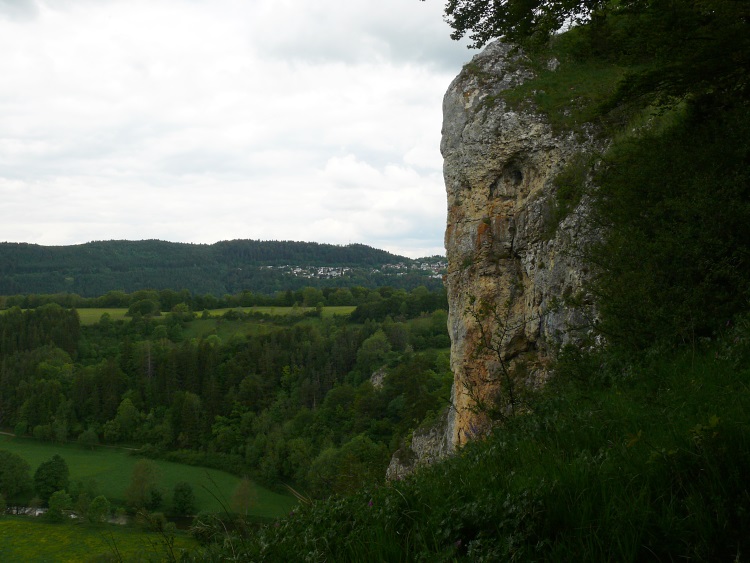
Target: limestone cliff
x=514 y=267
x=512 y=272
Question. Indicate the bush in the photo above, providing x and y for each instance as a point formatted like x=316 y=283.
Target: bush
x=98 y=510
x=14 y=474
x=183 y=499
x=59 y=503
x=20 y=429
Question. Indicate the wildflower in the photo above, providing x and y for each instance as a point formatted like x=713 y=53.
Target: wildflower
x=370 y=503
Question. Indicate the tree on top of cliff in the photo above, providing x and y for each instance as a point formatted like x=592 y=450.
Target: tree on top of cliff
x=514 y=20
x=675 y=49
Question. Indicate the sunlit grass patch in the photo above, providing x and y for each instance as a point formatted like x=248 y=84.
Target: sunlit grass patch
x=32 y=541
x=93 y=316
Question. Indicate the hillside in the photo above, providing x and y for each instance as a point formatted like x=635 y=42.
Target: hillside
x=95 y=268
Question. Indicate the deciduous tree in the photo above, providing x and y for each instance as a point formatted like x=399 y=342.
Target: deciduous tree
x=143 y=483
x=51 y=476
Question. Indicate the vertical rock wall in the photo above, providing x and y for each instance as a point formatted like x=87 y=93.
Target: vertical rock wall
x=511 y=273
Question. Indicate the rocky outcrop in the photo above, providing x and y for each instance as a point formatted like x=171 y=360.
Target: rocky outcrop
x=513 y=272
x=428 y=444
x=515 y=275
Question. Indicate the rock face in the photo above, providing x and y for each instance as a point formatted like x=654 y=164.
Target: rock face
x=428 y=445
x=512 y=272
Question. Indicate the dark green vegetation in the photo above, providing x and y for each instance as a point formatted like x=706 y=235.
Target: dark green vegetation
x=672 y=50
x=633 y=463
x=637 y=450
x=284 y=399
x=227 y=267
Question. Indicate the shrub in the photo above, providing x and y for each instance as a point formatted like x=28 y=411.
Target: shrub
x=98 y=510
x=59 y=503
x=183 y=499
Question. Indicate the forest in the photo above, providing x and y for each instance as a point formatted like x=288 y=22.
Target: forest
x=287 y=398
x=228 y=267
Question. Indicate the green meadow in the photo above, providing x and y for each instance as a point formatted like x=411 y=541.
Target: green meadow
x=93 y=315
x=111 y=469
x=34 y=541
x=284 y=311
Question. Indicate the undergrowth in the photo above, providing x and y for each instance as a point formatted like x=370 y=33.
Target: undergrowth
x=619 y=461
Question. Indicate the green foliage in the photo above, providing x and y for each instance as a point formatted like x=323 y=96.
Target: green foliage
x=674 y=264
x=572 y=94
x=14 y=474
x=262 y=393
x=183 y=499
x=51 y=476
x=71 y=275
x=611 y=465
x=143 y=490
x=20 y=428
x=674 y=50
x=345 y=470
x=569 y=188
x=373 y=352
x=144 y=307
x=88 y=438
x=49 y=325
x=112 y=469
x=244 y=497
x=60 y=503
x=98 y=510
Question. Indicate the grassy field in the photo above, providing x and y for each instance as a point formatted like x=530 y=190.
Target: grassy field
x=91 y=316
x=111 y=468
x=33 y=541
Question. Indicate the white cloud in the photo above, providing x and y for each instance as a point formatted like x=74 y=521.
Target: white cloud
x=198 y=122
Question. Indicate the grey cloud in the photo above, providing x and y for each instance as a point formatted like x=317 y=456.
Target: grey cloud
x=18 y=9
x=392 y=30
x=326 y=129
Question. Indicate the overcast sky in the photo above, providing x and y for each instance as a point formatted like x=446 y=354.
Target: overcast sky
x=199 y=121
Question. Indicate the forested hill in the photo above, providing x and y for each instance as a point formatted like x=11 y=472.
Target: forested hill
x=224 y=267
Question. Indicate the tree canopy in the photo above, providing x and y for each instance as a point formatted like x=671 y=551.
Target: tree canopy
x=14 y=474
x=677 y=48
x=51 y=476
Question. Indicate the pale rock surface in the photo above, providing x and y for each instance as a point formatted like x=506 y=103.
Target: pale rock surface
x=502 y=248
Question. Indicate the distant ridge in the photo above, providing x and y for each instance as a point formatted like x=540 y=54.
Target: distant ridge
x=94 y=268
